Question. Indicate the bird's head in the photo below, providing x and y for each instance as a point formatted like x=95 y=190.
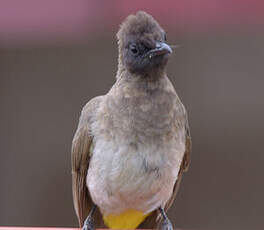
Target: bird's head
x=142 y=45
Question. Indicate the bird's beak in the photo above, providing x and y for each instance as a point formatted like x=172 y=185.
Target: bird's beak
x=160 y=49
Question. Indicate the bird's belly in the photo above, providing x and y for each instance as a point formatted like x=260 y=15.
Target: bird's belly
x=121 y=177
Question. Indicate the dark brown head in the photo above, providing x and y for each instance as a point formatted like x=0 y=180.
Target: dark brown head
x=142 y=47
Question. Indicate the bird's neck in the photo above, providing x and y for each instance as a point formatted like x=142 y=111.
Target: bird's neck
x=142 y=84
x=150 y=76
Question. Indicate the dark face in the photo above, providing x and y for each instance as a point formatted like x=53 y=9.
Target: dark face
x=146 y=54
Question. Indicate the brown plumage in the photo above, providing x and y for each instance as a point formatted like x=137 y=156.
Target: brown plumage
x=142 y=109
x=81 y=154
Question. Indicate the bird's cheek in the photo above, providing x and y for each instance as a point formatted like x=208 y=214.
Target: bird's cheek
x=144 y=62
x=130 y=64
x=160 y=60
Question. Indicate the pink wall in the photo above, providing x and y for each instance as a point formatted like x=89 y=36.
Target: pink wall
x=49 y=19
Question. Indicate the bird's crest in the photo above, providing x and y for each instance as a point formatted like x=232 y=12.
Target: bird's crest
x=139 y=26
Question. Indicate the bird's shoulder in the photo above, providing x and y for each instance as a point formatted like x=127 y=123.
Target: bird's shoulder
x=89 y=109
x=87 y=114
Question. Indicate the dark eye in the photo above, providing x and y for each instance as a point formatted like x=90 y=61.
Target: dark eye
x=134 y=49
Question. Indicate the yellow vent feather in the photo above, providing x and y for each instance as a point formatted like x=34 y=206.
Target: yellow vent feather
x=129 y=219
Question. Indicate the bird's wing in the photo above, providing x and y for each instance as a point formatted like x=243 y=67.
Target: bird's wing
x=81 y=153
x=155 y=219
x=184 y=165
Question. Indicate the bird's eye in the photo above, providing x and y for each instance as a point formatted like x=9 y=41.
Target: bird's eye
x=134 y=49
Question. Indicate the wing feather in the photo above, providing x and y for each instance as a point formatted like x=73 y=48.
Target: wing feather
x=80 y=155
x=184 y=165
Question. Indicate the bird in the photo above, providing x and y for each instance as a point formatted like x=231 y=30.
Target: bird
x=132 y=144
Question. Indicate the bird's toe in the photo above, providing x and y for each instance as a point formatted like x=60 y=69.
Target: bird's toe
x=88 y=224
x=166 y=225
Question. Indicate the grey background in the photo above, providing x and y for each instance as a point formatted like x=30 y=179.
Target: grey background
x=219 y=77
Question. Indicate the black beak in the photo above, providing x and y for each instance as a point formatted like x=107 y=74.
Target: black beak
x=160 y=49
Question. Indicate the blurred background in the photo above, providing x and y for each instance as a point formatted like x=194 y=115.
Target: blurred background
x=56 y=55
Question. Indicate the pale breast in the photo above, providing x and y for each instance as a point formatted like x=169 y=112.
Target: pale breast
x=123 y=176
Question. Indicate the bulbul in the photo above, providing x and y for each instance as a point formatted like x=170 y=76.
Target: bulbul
x=132 y=145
